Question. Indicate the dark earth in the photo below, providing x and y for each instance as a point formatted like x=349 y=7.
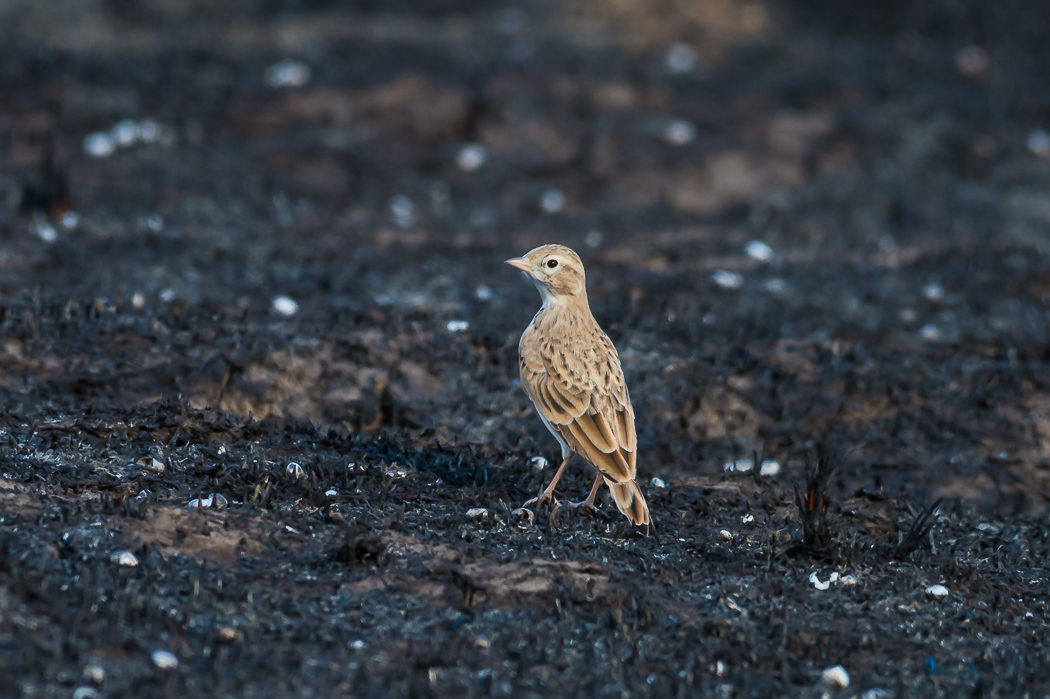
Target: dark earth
x=361 y=444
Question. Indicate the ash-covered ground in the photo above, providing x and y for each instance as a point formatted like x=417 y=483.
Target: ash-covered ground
x=282 y=296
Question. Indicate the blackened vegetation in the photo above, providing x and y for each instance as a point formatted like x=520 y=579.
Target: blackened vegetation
x=362 y=457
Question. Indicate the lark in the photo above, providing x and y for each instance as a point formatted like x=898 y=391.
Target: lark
x=572 y=374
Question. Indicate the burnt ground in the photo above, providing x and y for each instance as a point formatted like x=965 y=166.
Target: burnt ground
x=890 y=157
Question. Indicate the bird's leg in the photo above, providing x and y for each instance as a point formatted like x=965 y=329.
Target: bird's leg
x=589 y=502
x=548 y=492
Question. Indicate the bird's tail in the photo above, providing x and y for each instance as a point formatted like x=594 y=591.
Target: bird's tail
x=630 y=501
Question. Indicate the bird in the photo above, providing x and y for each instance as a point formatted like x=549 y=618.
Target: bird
x=572 y=374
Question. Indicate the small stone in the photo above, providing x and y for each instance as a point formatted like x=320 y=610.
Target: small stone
x=758 y=250
x=680 y=132
x=776 y=285
x=70 y=220
x=226 y=634
x=727 y=280
x=93 y=672
x=1039 y=143
x=125 y=132
x=331 y=492
x=937 y=590
x=403 y=209
x=218 y=501
x=99 y=145
x=295 y=471
x=471 y=157
x=482 y=642
x=538 y=462
x=769 y=468
x=285 y=305
x=148 y=131
x=46 y=231
x=358 y=644
x=478 y=513
x=681 y=58
x=124 y=559
x=933 y=292
x=815 y=580
x=835 y=677
x=396 y=473
x=726 y=535
x=930 y=332
x=85 y=692
x=457 y=326
x=658 y=482
x=972 y=61
x=848 y=580
x=483 y=293
x=156 y=465
x=287 y=73
x=552 y=201
x=165 y=659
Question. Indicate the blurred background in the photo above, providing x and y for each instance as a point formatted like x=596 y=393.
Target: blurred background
x=801 y=220
x=251 y=255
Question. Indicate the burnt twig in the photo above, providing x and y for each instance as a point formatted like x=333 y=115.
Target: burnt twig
x=813 y=505
x=920 y=527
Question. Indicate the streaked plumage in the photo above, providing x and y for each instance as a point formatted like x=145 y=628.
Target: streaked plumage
x=571 y=372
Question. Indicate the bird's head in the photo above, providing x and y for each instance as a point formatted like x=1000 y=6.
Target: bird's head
x=556 y=270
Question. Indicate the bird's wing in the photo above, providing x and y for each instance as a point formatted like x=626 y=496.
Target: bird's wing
x=590 y=409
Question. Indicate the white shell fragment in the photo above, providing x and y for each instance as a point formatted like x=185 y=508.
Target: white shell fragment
x=758 y=250
x=93 y=672
x=835 y=677
x=1039 y=143
x=295 y=471
x=471 y=157
x=124 y=559
x=681 y=58
x=937 y=590
x=680 y=132
x=287 y=73
x=538 y=462
x=552 y=201
x=770 y=468
x=457 y=326
x=815 y=579
x=726 y=535
x=658 y=482
x=285 y=305
x=331 y=492
x=396 y=473
x=156 y=465
x=738 y=466
x=165 y=659
x=727 y=280
x=748 y=518
x=478 y=513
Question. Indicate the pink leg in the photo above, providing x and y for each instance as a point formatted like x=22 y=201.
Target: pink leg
x=589 y=502
x=548 y=492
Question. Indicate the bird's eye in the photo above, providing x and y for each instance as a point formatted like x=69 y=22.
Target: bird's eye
x=552 y=263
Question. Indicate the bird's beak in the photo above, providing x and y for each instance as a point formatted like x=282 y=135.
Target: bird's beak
x=520 y=263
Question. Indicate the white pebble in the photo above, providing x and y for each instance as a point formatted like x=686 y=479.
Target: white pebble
x=937 y=590
x=680 y=132
x=681 y=58
x=1039 y=143
x=99 y=145
x=770 y=468
x=726 y=535
x=930 y=332
x=70 y=220
x=552 y=201
x=138 y=300
x=285 y=305
x=775 y=285
x=815 y=579
x=538 y=462
x=295 y=471
x=148 y=131
x=85 y=692
x=125 y=132
x=199 y=503
x=727 y=280
x=483 y=293
x=471 y=157
x=331 y=492
x=93 y=672
x=46 y=231
x=720 y=668
x=287 y=73
x=457 y=326
x=933 y=292
x=760 y=251
x=482 y=642
x=848 y=580
x=124 y=559
x=358 y=644
x=738 y=466
x=154 y=222
x=835 y=677
x=165 y=660
x=477 y=513
x=404 y=210
x=658 y=482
